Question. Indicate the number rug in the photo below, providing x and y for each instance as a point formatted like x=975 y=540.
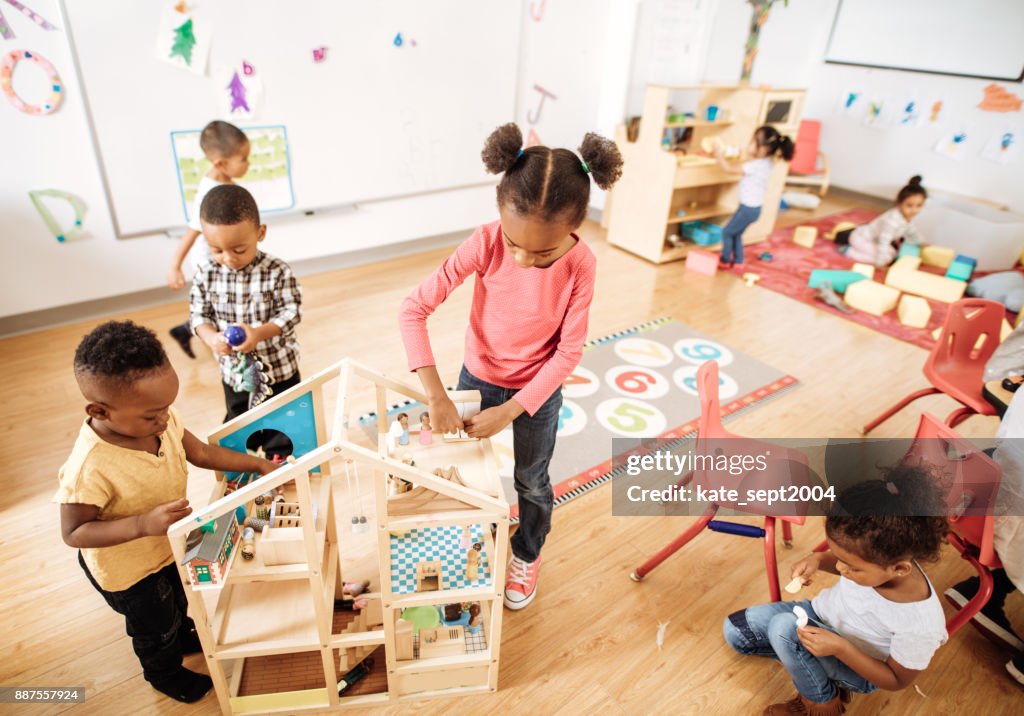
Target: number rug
x=640 y=382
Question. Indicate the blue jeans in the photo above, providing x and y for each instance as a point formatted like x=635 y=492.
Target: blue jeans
x=533 y=442
x=770 y=630
x=732 y=234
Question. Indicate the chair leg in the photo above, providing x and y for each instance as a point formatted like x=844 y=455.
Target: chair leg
x=771 y=566
x=978 y=601
x=898 y=407
x=787 y=534
x=959 y=415
x=675 y=545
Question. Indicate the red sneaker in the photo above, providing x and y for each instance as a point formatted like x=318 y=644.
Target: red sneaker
x=521 y=582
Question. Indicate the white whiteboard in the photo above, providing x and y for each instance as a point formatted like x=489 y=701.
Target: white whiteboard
x=373 y=120
x=977 y=38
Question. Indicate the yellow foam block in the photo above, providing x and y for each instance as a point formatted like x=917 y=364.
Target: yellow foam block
x=865 y=270
x=871 y=297
x=905 y=276
x=937 y=332
x=938 y=256
x=1006 y=330
x=1020 y=317
x=841 y=226
x=805 y=236
x=913 y=311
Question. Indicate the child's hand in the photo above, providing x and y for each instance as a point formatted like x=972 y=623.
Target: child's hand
x=444 y=416
x=806 y=568
x=489 y=422
x=218 y=344
x=251 y=339
x=265 y=467
x=175 y=278
x=821 y=642
x=155 y=522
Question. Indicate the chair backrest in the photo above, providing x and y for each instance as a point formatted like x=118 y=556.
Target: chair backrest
x=805 y=154
x=970 y=335
x=973 y=482
x=786 y=466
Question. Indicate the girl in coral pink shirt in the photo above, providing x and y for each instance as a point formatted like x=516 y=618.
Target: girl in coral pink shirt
x=528 y=321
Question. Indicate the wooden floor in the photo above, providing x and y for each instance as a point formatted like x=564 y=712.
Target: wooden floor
x=587 y=644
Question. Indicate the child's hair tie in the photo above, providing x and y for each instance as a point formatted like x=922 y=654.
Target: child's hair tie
x=891 y=487
x=586 y=167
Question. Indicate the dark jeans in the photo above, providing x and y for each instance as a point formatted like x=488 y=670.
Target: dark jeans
x=533 y=442
x=732 y=234
x=154 y=617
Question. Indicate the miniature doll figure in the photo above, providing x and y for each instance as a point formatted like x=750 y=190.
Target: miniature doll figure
x=426 y=433
x=473 y=562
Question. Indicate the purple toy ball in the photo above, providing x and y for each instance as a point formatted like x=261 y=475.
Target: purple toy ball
x=234 y=335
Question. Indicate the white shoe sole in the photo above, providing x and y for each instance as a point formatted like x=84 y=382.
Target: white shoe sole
x=1015 y=672
x=987 y=626
x=515 y=606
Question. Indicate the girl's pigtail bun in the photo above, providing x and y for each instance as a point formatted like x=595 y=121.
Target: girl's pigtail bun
x=603 y=158
x=786 y=148
x=502 y=148
x=915 y=180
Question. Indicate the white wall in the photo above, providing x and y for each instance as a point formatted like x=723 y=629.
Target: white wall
x=873 y=161
x=578 y=50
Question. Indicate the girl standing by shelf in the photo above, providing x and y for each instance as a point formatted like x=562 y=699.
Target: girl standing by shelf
x=764 y=146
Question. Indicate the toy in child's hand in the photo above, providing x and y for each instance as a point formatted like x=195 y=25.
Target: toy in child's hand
x=801 y=616
x=234 y=335
x=795 y=585
x=252 y=378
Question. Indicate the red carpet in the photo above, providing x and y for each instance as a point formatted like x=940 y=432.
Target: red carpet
x=791 y=266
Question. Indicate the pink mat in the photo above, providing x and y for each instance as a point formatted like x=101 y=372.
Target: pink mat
x=791 y=266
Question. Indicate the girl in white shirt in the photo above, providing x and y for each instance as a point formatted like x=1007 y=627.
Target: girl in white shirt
x=878 y=242
x=879 y=626
x=764 y=145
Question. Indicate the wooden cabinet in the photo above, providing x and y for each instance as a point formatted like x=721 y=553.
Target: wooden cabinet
x=663 y=186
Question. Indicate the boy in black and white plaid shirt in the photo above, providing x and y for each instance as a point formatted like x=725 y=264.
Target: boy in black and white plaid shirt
x=242 y=286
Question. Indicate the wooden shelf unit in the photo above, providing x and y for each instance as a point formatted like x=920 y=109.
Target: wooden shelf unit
x=286 y=612
x=641 y=211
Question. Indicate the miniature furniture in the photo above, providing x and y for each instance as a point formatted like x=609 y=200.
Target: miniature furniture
x=663 y=186
x=956 y=364
x=810 y=165
x=785 y=467
x=274 y=637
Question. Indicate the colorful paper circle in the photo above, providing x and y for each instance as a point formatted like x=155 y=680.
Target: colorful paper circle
x=11 y=60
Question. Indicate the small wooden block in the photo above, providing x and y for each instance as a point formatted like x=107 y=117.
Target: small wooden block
x=701 y=261
x=865 y=270
x=905 y=276
x=805 y=236
x=913 y=311
x=938 y=256
x=795 y=585
x=1006 y=330
x=751 y=278
x=937 y=332
x=871 y=297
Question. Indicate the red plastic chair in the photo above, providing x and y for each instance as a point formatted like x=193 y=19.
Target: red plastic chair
x=712 y=437
x=809 y=166
x=972 y=485
x=956 y=364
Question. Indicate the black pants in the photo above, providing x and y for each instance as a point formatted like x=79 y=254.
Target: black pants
x=154 y=617
x=272 y=442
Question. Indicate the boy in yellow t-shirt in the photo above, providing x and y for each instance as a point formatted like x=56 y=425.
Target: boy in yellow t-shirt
x=124 y=485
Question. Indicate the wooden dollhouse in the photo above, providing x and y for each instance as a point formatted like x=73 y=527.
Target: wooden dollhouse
x=274 y=637
x=670 y=181
x=209 y=549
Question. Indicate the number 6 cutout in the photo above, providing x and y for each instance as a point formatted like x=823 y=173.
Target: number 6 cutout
x=637 y=382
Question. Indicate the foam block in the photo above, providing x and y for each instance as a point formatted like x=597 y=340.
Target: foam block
x=840 y=280
x=913 y=311
x=866 y=270
x=841 y=226
x=1006 y=330
x=871 y=297
x=938 y=256
x=905 y=276
x=703 y=262
x=908 y=249
x=961 y=268
x=805 y=236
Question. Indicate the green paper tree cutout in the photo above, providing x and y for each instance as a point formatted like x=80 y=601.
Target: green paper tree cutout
x=184 y=41
x=758 y=17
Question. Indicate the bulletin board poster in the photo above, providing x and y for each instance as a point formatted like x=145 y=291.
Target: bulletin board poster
x=269 y=178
